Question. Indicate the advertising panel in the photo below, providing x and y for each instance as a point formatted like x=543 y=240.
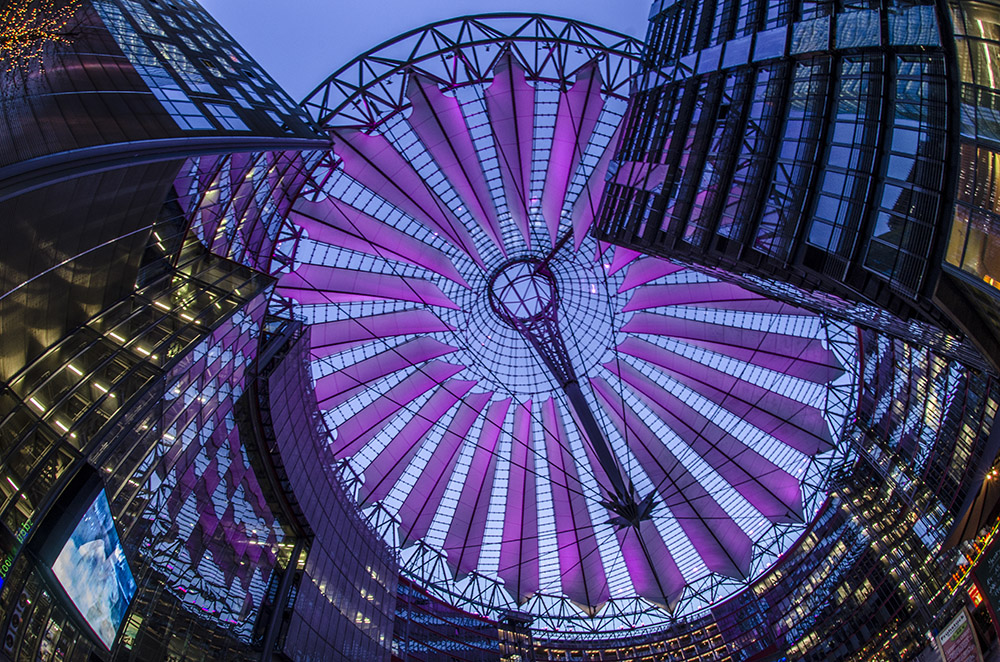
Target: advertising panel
x=93 y=570
x=958 y=640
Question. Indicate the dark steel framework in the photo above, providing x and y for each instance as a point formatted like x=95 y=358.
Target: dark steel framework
x=460 y=51
x=403 y=97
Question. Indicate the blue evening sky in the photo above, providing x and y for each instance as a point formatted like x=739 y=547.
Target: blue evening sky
x=301 y=42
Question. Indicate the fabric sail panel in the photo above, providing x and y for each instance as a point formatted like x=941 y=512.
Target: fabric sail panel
x=576 y=117
x=771 y=490
x=354 y=433
x=519 y=546
x=775 y=412
x=326 y=337
x=425 y=496
x=319 y=284
x=646 y=270
x=510 y=101
x=334 y=222
x=723 y=546
x=464 y=539
x=338 y=387
x=373 y=161
x=581 y=569
x=651 y=566
x=804 y=358
x=589 y=201
x=438 y=120
x=385 y=470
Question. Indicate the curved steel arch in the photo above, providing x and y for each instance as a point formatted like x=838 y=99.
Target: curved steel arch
x=370 y=88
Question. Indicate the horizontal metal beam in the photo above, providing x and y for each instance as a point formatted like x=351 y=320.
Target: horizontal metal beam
x=42 y=171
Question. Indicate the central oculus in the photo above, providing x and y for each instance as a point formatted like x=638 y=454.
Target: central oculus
x=522 y=291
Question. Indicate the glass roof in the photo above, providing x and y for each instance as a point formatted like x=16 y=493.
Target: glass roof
x=492 y=376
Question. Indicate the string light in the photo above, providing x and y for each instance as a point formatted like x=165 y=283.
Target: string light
x=27 y=26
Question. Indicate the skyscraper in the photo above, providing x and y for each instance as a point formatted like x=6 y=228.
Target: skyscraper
x=829 y=155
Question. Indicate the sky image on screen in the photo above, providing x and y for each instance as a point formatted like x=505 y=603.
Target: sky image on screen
x=94 y=572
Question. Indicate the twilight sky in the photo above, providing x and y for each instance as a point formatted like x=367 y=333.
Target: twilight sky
x=301 y=42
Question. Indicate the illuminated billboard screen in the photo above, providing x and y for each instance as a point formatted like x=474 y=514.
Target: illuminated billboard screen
x=93 y=570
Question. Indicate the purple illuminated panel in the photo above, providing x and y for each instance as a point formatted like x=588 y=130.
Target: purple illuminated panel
x=641 y=174
x=623 y=257
x=581 y=570
x=772 y=491
x=651 y=567
x=358 y=430
x=465 y=533
x=719 y=540
x=392 y=461
x=437 y=119
x=798 y=425
x=336 y=223
x=519 y=546
x=805 y=358
x=373 y=161
x=577 y=115
x=421 y=504
x=716 y=293
x=589 y=202
x=511 y=105
x=332 y=337
x=338 y=387
x=647 y=270
x=313 y=283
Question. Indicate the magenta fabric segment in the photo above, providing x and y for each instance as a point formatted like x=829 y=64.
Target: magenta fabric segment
x=354 y=433
x=424 y=498
x=599 y=473
x=774 y=492
x=800 y=426
x=720 y=542
x=519 y=545
x=589 y=201
x=392 y=461
x=438 y=121
x=337 y=223
x=374 y=161
x=715 y=292
x=314 y=283
x=510 y=102
x=331 y=337
x=646 y=270
x=338 y=387
x=805 y=358
x=464 y=540
x=579 y=109
x=651 y=566
x=623 y=257
x=580 y=567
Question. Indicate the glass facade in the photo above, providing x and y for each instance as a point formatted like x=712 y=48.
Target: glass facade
x=814 y=146
x=132 y=331
x=344 y=608
x=198 y=74
x=971 y=256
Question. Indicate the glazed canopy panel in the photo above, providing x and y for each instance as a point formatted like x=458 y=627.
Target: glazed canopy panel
x=475 y=152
